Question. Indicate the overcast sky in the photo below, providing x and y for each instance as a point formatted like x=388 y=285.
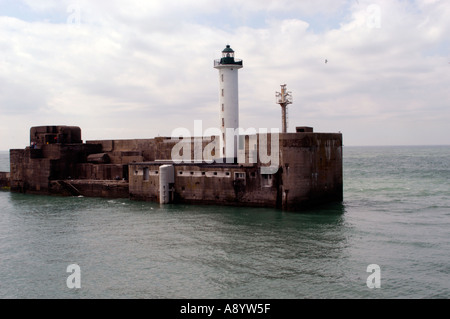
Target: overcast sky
x=139 y=69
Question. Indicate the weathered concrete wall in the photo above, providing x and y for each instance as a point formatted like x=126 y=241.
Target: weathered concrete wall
x=144 y=185
x=5 y=179
x=205 y=184
x=66 y=157
x=43 y=135
x=99 y=158
x=101 y=171
x=127 y=151
x=146 y=150
x=311 y=169
x=307 y=169
x=90 y=188
x=223 y=184
x=28 y=174
x=32 y=169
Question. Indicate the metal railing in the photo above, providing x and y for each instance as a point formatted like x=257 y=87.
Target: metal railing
x=219 y=62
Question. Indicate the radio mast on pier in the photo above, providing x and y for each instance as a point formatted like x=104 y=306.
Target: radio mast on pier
x=283 y=98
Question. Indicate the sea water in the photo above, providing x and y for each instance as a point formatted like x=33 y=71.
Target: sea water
x=395 y=215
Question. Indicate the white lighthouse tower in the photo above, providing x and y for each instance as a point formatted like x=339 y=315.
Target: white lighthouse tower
x=228 y=68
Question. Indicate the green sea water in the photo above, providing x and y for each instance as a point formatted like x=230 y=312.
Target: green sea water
x=395 y=214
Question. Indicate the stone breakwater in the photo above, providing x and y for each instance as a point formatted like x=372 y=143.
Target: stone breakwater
x=305 y=169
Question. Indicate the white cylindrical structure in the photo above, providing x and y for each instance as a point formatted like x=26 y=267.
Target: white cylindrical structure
x=166 y=178
x=228 y=68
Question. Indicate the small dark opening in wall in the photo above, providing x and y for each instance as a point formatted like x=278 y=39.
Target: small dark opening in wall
x=215 y=173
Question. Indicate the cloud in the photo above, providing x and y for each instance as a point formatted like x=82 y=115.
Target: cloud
x=139 y=69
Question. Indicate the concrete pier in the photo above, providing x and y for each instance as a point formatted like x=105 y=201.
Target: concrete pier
x=305 y=169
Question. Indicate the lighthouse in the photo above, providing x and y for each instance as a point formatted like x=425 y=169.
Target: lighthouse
x=228 y=68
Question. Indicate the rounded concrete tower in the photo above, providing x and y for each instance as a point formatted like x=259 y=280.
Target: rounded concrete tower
x=228 y=68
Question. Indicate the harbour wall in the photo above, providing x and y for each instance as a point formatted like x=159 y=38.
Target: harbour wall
x=309 y=172
x=305 y=169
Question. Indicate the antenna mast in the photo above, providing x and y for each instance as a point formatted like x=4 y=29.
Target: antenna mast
x=283 y=98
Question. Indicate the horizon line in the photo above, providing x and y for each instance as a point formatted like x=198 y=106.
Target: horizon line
x=374 y=145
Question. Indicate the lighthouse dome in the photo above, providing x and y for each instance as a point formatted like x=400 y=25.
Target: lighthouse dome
x=228 y=49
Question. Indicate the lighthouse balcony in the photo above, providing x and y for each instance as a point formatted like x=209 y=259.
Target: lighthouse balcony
x=227 y=61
